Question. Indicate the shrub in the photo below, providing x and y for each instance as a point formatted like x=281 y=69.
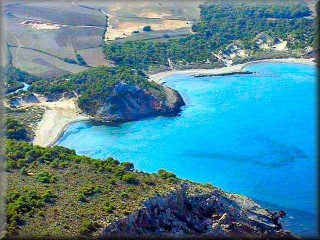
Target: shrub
x=150 y=182
x=108 y=207
x=147 y=28
x=23 y=171
x=15 y=129
x=165 y=174
x=87 y=191
x=86 y=226
x=124 y=195
x=128 y=166
x=129 y=178
x=81 y=197
x=69 y=60
x=48 y=196
x=80 y=60
x=44 y=177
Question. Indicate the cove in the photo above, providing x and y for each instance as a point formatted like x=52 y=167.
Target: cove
x=248 y=134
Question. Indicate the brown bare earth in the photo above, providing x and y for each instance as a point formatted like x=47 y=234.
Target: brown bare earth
x=94 y=57
x=126 y=17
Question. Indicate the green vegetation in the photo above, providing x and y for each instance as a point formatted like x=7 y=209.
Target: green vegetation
x=147 y=28
x=15 y=129
x=85 y=193
x=165 y=174
x=87 y=227
x=221 y=24
x=83 y=188
x=96 y=85
x=25 y=202
x=27 y=118
x=88 y=191
x=69 y=60
x=14 y=78
x=44 y=177
x=80 y=60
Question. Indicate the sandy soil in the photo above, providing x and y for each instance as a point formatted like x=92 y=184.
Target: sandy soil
x=37 y=25
x=55 y=121
x=235 y=68
x=121 y=29
x=280 y=46
x=153 y=15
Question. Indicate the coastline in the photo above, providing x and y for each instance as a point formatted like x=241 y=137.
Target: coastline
x=157 y=77
x=64 y=113
x=61 y=132
x=56 y=120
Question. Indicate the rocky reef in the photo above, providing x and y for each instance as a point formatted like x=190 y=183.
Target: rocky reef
x=215 y=214
x=130 y=102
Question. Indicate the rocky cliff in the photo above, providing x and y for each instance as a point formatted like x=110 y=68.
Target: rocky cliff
x=217 y=214
x=130 y=102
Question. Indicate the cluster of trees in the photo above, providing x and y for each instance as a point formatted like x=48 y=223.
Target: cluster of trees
x=14 y=78
x=81 y=60
x=166 y=175
x=20 y=203
x=147 y=28
x=15 y=129
x=22 y=154
x=87 y=191
x=221 y=23
x=226 y=22
x=44 y=177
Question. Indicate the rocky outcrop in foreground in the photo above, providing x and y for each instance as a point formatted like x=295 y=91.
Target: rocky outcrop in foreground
x=130 y=102
x=218 y=214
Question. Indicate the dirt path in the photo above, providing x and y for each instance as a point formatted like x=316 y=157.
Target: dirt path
x=18 y=47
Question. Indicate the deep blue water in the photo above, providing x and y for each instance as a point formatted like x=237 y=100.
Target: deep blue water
x=249 y=134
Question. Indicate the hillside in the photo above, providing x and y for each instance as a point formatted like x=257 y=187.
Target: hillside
x=55 y=193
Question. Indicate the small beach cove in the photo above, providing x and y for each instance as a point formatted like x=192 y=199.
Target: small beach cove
x=235 y=133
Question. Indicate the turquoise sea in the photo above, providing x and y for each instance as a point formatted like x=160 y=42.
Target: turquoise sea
x=248 y=134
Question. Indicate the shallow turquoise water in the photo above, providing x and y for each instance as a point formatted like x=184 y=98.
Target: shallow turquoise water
x=249 y=134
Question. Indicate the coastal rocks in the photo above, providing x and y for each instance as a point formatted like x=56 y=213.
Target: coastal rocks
x=217 y=214
x=223 y=74
x=129 y=102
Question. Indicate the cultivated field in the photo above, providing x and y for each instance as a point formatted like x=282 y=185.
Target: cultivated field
x=41 y=64
x=94 y=57
x=52 y=33
x=126 y=17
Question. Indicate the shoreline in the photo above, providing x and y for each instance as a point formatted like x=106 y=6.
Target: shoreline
x=60 y=115
x=62 y=131
x=54 y=132
x=158 y=77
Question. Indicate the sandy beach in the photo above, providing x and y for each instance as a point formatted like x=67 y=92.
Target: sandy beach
x=62 y=113
x=216 y=71
x=55 y=121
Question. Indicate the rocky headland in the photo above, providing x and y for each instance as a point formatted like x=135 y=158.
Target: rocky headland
x=215 y=214
x=128 y=102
